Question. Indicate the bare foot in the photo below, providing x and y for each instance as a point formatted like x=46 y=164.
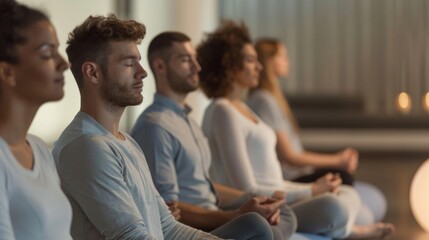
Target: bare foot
x=376 y=230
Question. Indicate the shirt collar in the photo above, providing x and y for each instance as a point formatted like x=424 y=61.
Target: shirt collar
x=172 y=105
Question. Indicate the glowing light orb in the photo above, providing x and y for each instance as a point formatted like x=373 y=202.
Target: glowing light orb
x=419 y=196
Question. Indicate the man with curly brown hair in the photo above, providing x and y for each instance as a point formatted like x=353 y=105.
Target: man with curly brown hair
x=103 y=171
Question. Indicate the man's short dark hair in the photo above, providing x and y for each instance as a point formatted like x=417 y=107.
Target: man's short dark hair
x=162 y=42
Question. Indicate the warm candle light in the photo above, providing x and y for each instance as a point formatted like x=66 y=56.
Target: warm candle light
x=425 y=101
x=419 y=196
x=403 y=102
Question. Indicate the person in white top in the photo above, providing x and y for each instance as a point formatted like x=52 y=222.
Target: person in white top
x=243 y=146
x=269 y=103
x=32 y=205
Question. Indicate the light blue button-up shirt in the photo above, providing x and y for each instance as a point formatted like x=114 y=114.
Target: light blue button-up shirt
x=177 y=153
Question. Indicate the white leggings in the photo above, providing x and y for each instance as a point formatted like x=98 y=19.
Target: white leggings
x=329 y=214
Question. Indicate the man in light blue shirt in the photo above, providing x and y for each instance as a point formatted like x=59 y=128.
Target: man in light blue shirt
x=173 y=140
x=103 y=171
x=178 y=154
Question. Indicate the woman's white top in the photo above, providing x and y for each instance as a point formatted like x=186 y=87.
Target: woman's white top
x=32 y=205
x=244 y=155
x=266 y=107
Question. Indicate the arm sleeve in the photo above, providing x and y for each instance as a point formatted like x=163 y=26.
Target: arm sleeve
x=175 y=230
x=6 y=230
x=296 y=191
x=92 y=175
x=231 y=144
x=159 y=148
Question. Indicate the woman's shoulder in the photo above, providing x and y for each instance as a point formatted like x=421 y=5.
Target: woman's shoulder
x=260 y=96
x=219 y=111
x=220 y=102
x=220 y=105
x=262 y=100
x=36 y=140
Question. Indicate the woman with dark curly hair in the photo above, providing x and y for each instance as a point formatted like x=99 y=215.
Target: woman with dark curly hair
x=243 y=146
x=32 y=205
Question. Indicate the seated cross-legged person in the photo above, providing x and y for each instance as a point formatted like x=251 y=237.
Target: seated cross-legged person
x=243 y=146
x=103 y=171
x=178 y=154
x=300 y=165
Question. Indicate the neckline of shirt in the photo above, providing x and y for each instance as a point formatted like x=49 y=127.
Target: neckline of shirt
x=14 y=162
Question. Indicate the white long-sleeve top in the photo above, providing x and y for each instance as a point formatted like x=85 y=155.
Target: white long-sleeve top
x=243 y=153
x=265 y=106
x=32 y=205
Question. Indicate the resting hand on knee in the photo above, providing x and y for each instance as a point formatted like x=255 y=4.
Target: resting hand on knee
x=280 y=195
x=327 y=183
x=265 y=206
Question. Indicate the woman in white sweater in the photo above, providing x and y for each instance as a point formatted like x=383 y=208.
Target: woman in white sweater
x=269 y=103
x=32 y=205
x=243 y=146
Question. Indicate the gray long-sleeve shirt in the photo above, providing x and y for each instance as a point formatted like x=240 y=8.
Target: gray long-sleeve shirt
x=110 y=188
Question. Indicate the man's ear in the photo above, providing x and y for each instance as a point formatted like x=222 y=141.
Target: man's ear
x=158 y=65
x=7 y=74
x=92 y=72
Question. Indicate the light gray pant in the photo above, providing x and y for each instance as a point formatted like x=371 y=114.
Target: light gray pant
x=282 y=231
x=329 y=214
x=245 y=227
x=287 y=225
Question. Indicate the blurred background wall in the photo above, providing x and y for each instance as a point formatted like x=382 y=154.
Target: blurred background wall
x=350 y=60
x=370 y=50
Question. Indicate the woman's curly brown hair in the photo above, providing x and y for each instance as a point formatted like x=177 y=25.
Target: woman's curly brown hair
x=219 y=54
x=90 y=41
